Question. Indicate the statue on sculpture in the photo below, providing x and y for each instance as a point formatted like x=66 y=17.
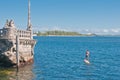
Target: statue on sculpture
x=6 y=24
x=9 y=24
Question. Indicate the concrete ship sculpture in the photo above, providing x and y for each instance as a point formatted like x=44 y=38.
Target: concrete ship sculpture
x=16 y=46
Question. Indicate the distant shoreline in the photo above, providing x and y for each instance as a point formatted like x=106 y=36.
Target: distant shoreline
x=61 y=33
x=78 y=36
x=64 y=36
x=69 y=34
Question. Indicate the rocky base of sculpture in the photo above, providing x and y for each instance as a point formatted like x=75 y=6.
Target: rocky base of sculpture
x=8 y=55
x=6 y=62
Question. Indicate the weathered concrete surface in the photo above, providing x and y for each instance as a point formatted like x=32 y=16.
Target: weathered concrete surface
x=5 y=55
x=14 y=41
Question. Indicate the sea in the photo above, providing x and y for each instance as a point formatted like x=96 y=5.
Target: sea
x=62 y=58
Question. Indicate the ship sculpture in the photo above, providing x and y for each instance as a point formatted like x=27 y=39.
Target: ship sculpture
x=16 y=46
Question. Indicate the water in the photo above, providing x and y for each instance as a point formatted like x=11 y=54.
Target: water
x=61 y=58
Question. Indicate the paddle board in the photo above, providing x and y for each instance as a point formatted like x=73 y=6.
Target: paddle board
x=86 y=61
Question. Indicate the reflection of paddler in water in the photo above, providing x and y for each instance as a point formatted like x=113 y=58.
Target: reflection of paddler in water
x=86 y=60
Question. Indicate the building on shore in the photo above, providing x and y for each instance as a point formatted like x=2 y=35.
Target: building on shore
x=13 y=40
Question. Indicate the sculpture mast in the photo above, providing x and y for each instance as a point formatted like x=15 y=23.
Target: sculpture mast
x=29 y=26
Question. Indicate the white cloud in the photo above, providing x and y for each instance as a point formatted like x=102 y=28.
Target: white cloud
x=115 y=30
x=87 y=30
x=105 y=30
x=59 y=28
x=49 y=28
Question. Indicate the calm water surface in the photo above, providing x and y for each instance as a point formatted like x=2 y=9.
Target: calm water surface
x=61 y=58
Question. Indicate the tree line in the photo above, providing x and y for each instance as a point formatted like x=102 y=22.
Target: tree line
x=59 y=33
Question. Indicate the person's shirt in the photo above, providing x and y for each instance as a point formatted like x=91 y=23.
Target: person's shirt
x=87 y=52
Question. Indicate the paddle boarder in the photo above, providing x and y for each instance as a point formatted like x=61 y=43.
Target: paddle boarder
x=87 y=55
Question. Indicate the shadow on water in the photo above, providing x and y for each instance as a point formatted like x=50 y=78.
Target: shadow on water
x=25 y=73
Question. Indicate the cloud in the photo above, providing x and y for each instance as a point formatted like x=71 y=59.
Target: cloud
x=105 y=30
x=87 y=30
x=115 y=30
x=49 y=28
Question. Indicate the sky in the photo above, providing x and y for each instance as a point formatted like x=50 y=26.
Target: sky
x=83 y=16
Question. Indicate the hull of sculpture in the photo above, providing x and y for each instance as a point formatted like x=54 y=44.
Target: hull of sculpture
x=8 y=50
